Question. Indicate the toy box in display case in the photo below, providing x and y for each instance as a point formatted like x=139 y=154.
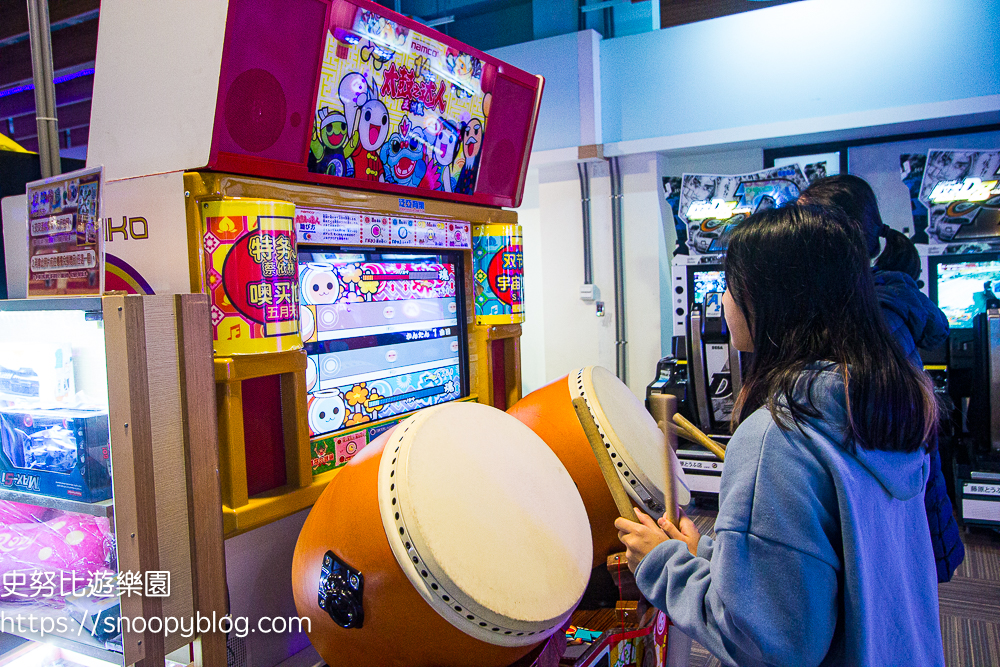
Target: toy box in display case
x=40 y=371
x=54 y=430
x=59 y=452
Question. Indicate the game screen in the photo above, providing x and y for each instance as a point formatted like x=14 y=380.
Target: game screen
x=384 y=334
x=957 y=287
x=707 y=281
x=397 y=106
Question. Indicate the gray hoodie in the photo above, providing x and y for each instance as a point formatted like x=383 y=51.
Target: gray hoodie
x=821 y=556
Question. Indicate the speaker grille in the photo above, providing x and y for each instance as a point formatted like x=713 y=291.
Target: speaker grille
x=237 y=652
x=255 y=110
x=503 y=173
x=506 y=136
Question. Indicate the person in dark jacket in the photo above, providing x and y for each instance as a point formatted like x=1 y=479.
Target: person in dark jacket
x=915 y=322
x=821 y=555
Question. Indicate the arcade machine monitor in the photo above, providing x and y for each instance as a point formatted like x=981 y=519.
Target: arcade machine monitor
x=702 y=280
x=955 y=280
x=384 y=333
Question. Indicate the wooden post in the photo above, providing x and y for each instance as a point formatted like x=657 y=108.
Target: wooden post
x=202 y=466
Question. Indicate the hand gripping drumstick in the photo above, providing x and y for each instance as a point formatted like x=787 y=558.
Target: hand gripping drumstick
x=622 y=501
x=664 y=405
x=692 y=433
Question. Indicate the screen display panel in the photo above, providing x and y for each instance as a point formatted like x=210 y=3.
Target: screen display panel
x=957 y=282
x=384 y=333
x=704 y=281
x=397 y=106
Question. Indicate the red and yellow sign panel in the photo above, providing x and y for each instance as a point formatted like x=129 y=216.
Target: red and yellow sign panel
x=251 y=267
x=499 y=265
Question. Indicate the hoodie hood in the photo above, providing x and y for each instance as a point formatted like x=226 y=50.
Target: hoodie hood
x=898 y=294
x=902 y=474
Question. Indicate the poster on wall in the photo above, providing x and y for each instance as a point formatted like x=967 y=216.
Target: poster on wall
x=671 y=197
x=710 y=204
x=396 y=106
x=961 y=191
x=911 y=172
x=815 y=166
x=65 y=235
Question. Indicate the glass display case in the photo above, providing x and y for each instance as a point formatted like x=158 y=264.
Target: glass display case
x=101 y=474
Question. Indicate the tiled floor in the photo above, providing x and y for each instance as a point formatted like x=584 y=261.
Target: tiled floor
x=970 y=603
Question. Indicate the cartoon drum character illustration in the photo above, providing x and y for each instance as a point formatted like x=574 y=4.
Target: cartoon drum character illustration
x=312 y=373
x=327 y=411
x=319 y=284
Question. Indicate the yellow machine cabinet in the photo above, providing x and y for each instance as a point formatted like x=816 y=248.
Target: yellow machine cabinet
x=283 y=378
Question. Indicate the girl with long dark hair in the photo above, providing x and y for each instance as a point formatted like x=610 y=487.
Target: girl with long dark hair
x=913 y=319
x=822 y=554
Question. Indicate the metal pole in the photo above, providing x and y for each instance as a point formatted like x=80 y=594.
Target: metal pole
x=621 y=338
x=588 y=258
x=40 y=38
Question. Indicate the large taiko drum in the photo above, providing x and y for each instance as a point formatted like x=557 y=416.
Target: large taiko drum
x=636 y=445
x=456 y=539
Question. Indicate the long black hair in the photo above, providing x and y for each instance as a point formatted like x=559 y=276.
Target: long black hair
x=857 y=200
x=800 y=277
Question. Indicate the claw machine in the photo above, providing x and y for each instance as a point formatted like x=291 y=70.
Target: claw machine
x=98 y=426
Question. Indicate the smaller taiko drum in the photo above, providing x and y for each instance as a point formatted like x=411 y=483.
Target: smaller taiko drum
x=636 y=444
x=455 y=539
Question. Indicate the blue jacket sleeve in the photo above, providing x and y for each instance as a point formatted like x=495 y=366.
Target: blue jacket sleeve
x=736 y=606
x=706 y=545
x=767 y=593
x=908 y=310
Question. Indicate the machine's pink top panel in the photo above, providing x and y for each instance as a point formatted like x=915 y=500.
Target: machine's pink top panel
x=348 y=93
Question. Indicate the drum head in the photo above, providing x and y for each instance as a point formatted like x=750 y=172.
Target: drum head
x=485 y=521
x=638 y=447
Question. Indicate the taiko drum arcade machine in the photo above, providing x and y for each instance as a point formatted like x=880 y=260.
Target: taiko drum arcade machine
x=336 y=190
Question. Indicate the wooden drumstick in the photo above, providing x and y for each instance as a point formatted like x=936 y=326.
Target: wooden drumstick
x=682 y=432
x=622 y=501
x=663 y=406
x=695 y=435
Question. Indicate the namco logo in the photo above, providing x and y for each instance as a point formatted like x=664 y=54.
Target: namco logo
x=425 y=49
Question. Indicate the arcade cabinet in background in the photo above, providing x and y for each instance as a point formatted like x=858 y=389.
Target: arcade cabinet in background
x=704 y=371
x=698 y=372
x=962 y=286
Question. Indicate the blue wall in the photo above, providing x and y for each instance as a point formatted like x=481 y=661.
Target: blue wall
x=801 y=60
x=555 y=58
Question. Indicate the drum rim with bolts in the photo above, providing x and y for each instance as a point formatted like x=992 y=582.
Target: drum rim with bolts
x=427 y=577
x=633 y=477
